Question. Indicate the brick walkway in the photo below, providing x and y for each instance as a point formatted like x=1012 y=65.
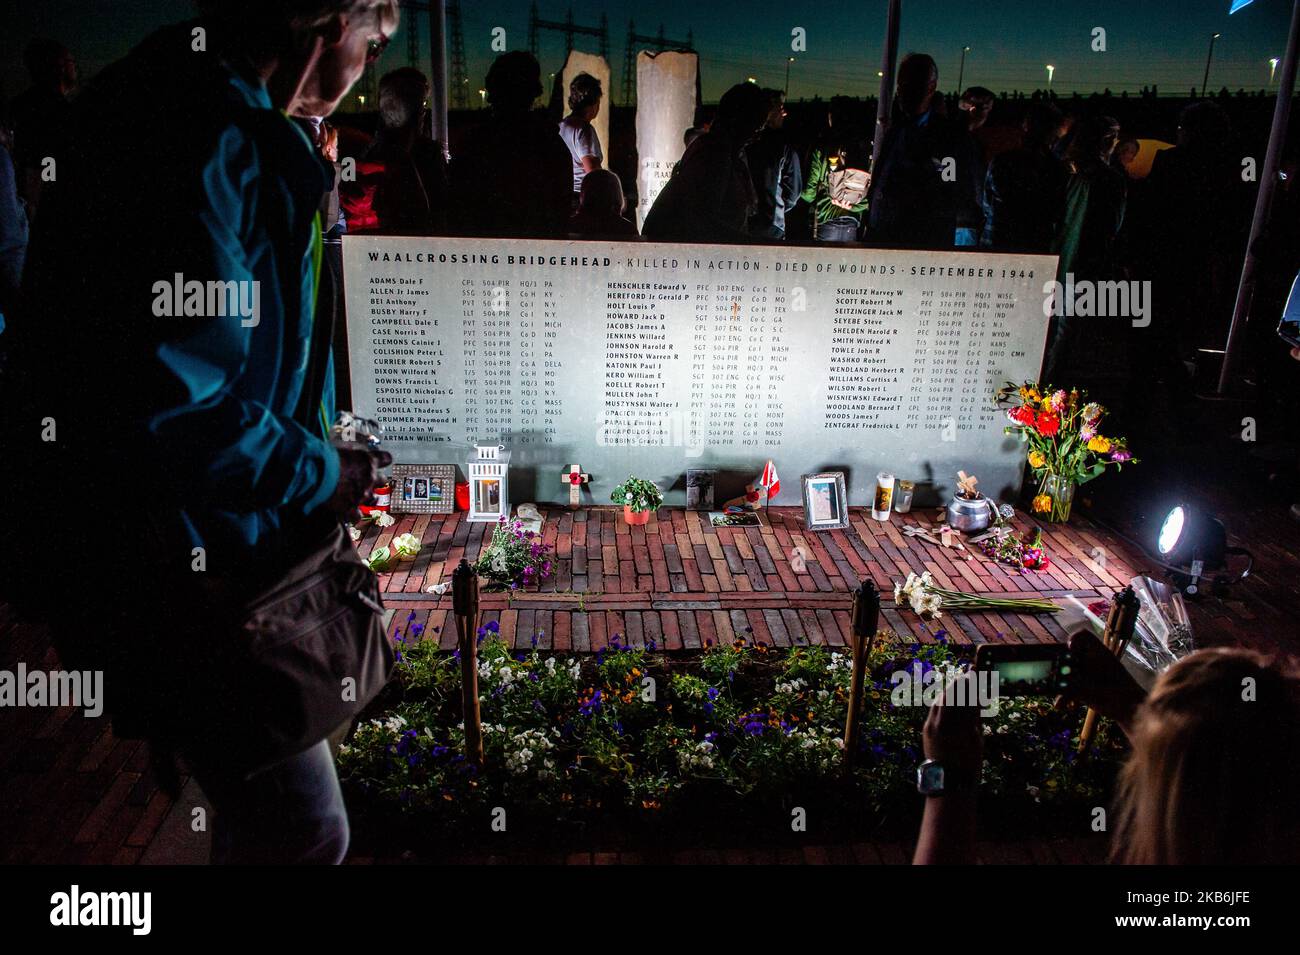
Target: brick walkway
x=72 y=792
x=681 y=582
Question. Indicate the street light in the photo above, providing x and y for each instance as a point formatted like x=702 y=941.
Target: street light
x=750 y=79
x=1209 y=56
x=1272 y=70
x=482 y=95
x=1050 y=70
x=961 y=72
x=788 y=61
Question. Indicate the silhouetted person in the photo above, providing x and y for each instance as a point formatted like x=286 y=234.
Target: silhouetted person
x=1024 y=190
x=410 y=197
x=923 y=189
x=774 y=167
x=1095 y=202
x=576 y=129
x=710 y=197
x=513 y=176
x=1194 y=220
x=42 y=116
x=600 y=208
x=13 y=236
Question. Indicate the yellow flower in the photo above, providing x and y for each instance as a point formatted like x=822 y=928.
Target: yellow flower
x=1042 y=503
x=1099 y=444
x=1037 y=459
x=1029 y=394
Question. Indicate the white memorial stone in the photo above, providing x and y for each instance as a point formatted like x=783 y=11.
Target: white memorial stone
x=665 y=109
x=652 y=358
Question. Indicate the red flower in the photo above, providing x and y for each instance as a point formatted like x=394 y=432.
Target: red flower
x=575 y=478
x=1022 y=415
x=1048 y=423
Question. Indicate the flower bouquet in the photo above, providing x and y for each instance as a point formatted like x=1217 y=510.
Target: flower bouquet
x=1006 y=547
x=1066 y=446
x=515 y=556
x=639 y=498
x=927 y=599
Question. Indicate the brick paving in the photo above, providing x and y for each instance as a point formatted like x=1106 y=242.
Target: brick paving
x=71 y=792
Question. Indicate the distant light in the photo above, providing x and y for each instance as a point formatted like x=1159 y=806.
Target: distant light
x=750 y=79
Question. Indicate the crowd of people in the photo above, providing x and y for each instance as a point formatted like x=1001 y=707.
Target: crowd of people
x=221 y=164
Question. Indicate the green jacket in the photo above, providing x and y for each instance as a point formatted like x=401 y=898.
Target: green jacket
x=816 y=193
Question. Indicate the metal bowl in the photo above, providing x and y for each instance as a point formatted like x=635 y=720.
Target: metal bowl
x=970 y=515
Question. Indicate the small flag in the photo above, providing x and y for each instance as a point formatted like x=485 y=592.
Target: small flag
x=770 y=482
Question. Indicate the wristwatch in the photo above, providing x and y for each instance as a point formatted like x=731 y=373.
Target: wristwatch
x=932 y=779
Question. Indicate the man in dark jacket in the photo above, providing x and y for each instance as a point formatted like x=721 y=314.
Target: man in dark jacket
x=923 y=190
x=171 y=373
x=513 y=175
x=774 y=167
x=1024 y=191
x=710 y=196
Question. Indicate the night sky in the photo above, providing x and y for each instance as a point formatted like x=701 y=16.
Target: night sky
x=1159 y=42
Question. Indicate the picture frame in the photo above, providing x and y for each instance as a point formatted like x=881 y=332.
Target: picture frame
x=825 y=501
x=423 y=489
x=699 y=488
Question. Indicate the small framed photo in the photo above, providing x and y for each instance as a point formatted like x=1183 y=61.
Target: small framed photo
x=825 y=501
x=699 y=488
x=423 y=489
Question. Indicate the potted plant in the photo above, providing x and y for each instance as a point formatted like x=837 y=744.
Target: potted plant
x=639 y=497
x=1066 y=446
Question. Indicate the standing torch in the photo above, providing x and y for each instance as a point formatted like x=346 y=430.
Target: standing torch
x=1120 y=624
x=464 y=604
x=866 y=617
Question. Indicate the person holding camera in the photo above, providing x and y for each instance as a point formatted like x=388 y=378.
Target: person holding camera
x=182 y=374
x=1212 y=775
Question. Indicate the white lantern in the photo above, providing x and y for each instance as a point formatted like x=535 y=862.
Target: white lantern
x=488 y=498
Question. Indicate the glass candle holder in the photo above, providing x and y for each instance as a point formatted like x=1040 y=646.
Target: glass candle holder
x=903 y=492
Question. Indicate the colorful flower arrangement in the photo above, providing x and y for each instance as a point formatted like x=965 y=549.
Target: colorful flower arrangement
x=515 y=556
x=1066 y=446
x=1007 y=547
x=927 y=598
x=638 y=494
x=627 y=737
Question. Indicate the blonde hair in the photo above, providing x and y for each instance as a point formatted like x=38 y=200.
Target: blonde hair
x=299 y=14
x=1215 y=765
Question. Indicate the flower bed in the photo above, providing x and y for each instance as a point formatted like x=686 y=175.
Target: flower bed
x=630 y=740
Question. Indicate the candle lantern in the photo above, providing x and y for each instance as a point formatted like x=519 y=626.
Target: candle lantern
x=489 y=499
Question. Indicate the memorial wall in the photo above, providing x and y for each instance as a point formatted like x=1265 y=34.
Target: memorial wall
x=652 y=358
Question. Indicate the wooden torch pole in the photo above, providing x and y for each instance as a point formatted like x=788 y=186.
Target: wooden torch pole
x=464 y=604
x=1119 y=631
x=866 y=617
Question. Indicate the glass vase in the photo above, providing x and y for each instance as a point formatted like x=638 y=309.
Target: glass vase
x=1055 y=497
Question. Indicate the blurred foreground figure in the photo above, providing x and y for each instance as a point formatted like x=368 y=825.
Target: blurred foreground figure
x=177 y=374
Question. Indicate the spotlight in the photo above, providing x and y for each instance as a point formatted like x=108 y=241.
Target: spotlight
x=1193 y=544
